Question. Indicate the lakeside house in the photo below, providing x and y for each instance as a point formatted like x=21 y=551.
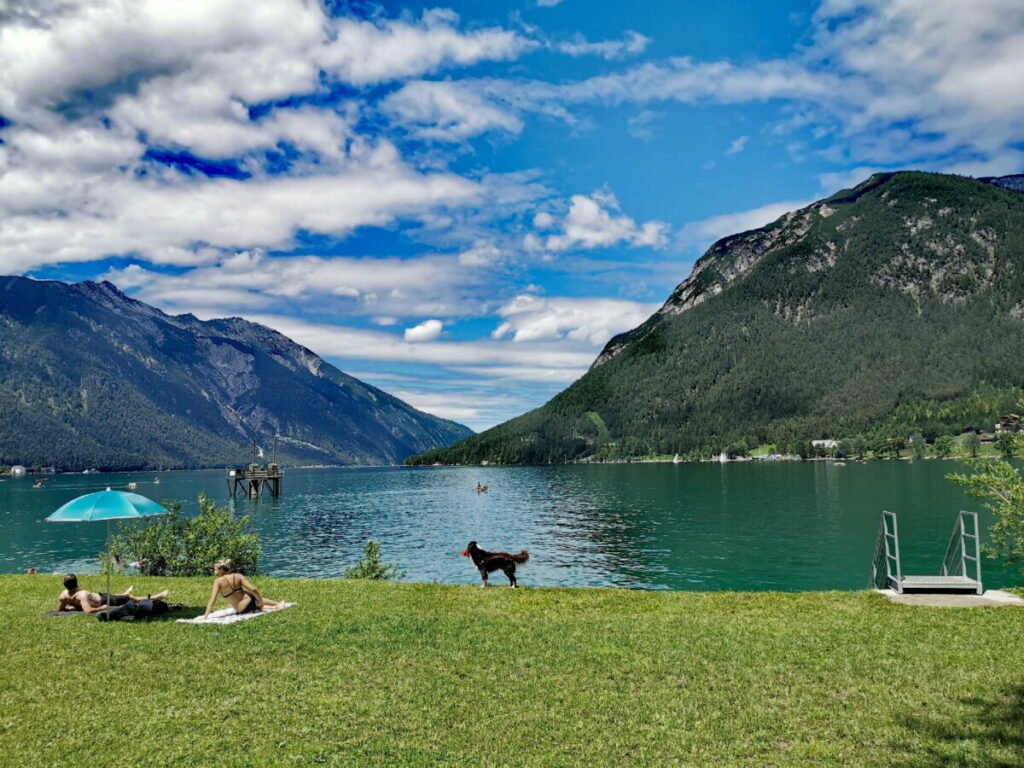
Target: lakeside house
x=18 y=471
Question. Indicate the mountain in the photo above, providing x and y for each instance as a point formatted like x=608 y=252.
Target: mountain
x=892 y=308
x=92 y=378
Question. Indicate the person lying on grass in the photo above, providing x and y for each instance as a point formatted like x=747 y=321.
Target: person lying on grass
x=74 y=598
x=238 y=591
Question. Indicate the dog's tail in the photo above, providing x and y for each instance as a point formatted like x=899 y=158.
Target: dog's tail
x=522 y=557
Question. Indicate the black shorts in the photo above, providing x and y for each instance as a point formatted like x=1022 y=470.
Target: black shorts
x=252 y=607
x=113 y=600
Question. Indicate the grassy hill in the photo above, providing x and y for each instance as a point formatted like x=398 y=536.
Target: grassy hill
x=893 y=308
x=364 y=673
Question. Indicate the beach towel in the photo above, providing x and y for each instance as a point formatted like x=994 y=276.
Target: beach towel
x=228 y=616
x=66 y=613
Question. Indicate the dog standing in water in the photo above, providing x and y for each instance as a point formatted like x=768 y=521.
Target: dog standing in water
x=488 y=562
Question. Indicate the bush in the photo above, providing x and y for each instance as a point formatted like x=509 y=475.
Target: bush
x=175 y=545
x=1002 y=483
x=370 y=567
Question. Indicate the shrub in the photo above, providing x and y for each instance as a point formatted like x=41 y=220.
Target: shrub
x=1001 y=483
x=176 y=545
x=370 y=567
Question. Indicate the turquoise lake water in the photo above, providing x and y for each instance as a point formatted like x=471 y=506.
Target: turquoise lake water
x=739 y=526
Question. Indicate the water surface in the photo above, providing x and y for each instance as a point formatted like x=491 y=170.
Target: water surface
x=743 y=526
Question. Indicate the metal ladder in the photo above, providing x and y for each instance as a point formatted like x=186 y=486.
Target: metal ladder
x=885 y=565
x=964 y=547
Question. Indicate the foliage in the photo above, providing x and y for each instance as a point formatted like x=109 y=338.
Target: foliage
x=1002 y=483
x=918 y=446
x=944 y=446
x=970 y=444
x=813 y=327
x=371 y=567
x=1007 y=444
x=176 y=545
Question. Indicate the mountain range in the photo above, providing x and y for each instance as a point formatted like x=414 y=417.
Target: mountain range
x=893 y=308
x=91 y=378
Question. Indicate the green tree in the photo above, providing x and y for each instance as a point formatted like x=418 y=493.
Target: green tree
x=897 y=444
x=970 y=444
x=1006 y=444
x=998 y=480
x=918 y=446
x=371 y=567
x=176 y=545
x=944 y=446
x=859 y=446
x=880 y=446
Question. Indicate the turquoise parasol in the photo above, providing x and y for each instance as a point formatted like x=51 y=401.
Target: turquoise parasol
x=106 y=505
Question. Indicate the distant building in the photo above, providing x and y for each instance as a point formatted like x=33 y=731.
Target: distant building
x=1010 y=422
x=17 y=471
x=828 y=444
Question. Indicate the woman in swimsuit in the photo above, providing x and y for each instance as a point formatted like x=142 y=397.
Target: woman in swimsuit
x=238 y=591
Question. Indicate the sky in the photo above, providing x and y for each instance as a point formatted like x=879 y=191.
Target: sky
x=462 y=202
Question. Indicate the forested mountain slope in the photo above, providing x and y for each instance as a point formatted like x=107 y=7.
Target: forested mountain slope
x=894 y=307
x=92 y=378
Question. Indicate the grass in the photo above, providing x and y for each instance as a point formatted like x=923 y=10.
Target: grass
x=365 y=673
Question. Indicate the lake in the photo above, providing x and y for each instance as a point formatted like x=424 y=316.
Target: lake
x=738 y=526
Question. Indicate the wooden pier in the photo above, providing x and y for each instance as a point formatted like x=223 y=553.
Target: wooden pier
x=255 y=480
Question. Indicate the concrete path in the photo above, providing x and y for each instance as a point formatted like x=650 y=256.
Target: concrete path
x=993 y=598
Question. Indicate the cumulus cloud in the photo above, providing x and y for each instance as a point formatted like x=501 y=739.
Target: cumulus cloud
x=532 y=318
x=96 y=94
x=382 y=288
x=881 y=82
x=428 y=330
x=443 y=111
x=592 y=222
x=363 y=52
x=364 y=344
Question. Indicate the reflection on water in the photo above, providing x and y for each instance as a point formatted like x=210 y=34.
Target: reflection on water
x=790 y=526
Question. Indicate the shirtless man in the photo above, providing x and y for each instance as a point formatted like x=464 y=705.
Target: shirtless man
x=73 y=598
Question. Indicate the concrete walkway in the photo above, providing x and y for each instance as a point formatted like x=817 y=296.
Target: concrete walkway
x=993 y=598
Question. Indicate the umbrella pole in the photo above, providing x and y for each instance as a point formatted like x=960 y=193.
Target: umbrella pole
x=109 y=569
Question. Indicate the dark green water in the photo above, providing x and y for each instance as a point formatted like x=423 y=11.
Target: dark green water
x=747 y=526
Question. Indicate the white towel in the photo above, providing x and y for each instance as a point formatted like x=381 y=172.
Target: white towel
x=228 y=616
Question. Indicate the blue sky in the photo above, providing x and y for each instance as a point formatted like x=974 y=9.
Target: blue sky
x=462 y=202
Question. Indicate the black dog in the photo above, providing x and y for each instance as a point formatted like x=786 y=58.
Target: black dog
x=488 y=562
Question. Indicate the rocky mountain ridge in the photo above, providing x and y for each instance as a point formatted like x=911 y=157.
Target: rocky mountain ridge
x=90 y=377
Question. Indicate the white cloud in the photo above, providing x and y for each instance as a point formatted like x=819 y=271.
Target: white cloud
x=532 y=318
x=833 y=182
x=703 y=233
x=641 y=125
x=365 y=52
x=592 y=223
x=382 y=288
x=443 y=111
x=737 y=145
x=885 y=82
x=363 y=344
x=633 y=43
x=428 y=330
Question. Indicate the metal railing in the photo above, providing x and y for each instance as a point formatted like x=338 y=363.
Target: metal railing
x=964 y=547
x=886 y=571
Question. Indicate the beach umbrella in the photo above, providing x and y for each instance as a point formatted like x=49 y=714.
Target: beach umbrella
x=106 y=505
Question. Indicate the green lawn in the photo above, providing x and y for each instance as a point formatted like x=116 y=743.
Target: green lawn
x=417 y=674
